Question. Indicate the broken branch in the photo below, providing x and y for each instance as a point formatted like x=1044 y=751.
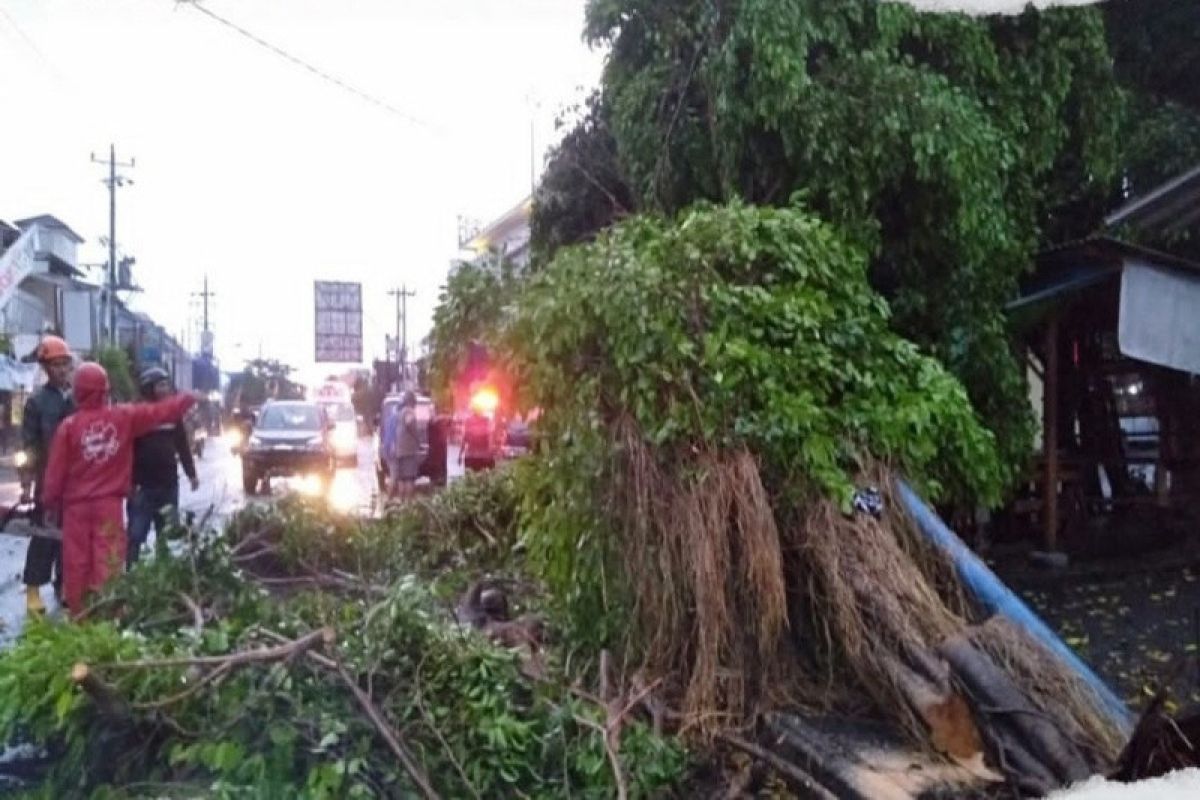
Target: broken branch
x=259 y=655
x=389 y=734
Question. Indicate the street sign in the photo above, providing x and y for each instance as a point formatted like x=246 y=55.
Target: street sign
x=338 y=322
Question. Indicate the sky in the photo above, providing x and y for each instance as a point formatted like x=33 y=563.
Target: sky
x=264 y=177
x=253 y=171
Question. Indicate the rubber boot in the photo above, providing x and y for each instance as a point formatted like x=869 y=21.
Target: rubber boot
x=33 y=601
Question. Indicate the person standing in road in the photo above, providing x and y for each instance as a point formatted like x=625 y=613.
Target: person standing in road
x=156 y=460
x=401 y=442
x=89 y=475
x=43 y=413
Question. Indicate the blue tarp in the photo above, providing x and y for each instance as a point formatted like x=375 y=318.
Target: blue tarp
x=991 y=593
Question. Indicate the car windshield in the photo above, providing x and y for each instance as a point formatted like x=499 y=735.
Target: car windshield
x=339 y=412
x=290 y=418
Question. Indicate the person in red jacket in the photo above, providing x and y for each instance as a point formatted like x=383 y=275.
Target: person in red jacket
x=89 y=475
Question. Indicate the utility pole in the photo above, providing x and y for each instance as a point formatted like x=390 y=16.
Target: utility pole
x=402 y=294
x=534 y=104
x=113 y=181
x=204 y=296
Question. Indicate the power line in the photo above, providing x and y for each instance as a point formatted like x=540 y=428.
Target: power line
x=37 y=51
x=320 y=73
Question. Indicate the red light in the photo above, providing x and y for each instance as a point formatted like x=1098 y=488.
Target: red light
x=485 y=401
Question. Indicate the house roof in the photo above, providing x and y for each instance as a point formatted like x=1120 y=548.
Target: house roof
x=503 y=226
x=1065 y=270
x=50 y=221
x=1168 y=208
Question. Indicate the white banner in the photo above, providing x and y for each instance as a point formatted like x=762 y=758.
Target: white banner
x=16 y=263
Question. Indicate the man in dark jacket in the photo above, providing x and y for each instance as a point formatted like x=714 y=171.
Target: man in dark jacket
x=44 y=410
x=155 y=499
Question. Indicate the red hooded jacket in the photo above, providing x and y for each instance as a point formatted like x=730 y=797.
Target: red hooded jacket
x=92 y=457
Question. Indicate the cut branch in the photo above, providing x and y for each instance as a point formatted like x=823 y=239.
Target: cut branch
x=107 y=701
x=280 y=652
x=197 y=614
x=390 y=735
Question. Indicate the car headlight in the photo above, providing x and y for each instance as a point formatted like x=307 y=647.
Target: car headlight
x=345 y=437
x=316 y=442
x=255 y=442
x=21 y=459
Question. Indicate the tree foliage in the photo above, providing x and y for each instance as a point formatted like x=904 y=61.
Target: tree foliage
x=949 y=146
x=731 y=326
x=474 y=723
x=470 y=313
x=122 y=383
x=582 y=190
x=1154 y=48
x=264 y=379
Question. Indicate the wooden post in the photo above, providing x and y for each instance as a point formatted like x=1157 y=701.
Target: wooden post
x=1160 y=385
x=1050 y=435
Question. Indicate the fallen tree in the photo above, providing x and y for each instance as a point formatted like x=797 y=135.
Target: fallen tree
x=718 y=388
x=217 y=678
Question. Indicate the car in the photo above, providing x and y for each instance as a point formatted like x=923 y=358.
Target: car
x=289 y=438
x=433 y=460
x=345 y=432
x=518 y=439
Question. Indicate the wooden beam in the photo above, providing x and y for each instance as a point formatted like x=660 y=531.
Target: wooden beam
x=1050 y=436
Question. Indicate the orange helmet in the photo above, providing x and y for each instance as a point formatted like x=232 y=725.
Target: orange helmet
x=52 y=348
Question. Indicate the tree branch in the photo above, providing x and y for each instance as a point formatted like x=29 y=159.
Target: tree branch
x=390 y=735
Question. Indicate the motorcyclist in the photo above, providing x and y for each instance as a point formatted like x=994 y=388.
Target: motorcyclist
x=48 y=407
x=156 y=459
x=89 y=474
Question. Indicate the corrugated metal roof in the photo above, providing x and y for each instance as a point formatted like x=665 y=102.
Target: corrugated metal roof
x=1102 y=246
x=1170 y=207
x=1066 y=269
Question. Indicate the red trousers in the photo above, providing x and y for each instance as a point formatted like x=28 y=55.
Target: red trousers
x=93 y=547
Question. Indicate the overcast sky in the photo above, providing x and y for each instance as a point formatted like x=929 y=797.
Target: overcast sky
x=254 y=171
x=265 y=177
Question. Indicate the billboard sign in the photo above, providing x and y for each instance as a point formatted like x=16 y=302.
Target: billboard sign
x=338 y=322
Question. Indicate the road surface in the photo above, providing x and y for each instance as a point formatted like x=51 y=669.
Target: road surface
x=353 y=491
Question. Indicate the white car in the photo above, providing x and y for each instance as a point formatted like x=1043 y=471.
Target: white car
x=345 y=431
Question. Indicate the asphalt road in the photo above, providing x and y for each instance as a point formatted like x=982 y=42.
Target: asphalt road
x=220 y=494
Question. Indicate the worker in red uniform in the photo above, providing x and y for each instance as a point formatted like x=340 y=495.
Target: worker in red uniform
x=89 y=474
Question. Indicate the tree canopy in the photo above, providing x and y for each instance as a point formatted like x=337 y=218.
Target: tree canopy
x=950 y=147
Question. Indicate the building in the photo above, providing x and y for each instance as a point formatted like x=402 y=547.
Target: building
x=1113 y=337
x=507 y=237
x=52 y=297
x=150 y=345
